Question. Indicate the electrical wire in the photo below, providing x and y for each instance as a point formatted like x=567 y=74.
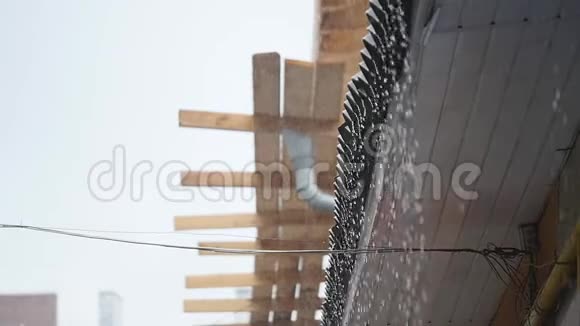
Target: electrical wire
x=492 y=250
x=181 y=233
x=503 y=261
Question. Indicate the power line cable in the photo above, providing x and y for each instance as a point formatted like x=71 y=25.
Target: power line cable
x=503 y=261
x=181 y=233
x=503 y=252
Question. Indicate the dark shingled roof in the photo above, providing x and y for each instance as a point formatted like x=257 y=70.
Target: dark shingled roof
x=369 y=95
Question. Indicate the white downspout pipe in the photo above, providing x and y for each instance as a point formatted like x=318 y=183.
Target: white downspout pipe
x=301 y=152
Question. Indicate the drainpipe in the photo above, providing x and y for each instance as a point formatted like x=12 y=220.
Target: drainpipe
x=301 y=152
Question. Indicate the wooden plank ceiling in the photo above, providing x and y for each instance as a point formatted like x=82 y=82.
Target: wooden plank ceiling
x=498 y=86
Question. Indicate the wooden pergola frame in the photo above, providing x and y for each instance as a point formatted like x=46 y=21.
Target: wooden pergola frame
x=312 y=103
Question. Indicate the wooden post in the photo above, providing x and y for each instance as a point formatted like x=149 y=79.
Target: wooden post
x=266 y=93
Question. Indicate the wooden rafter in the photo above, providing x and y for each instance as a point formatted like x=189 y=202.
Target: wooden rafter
x=265 y=245
x=254 y=123
x=282 y=178
x=241 y=305
x=291 y=217
x=280 y=323
x=253 y=279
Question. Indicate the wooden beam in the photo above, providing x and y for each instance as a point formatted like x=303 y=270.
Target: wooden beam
x=265 y=245
x=234 y=179
x=328 y=96
x=298 y=103
x=219 y=221
x=329 y=5
x=241 y=305
x=266 y=89
x=280 y=323
x=315 y=233
x=266 y=83
x=298 y=86
x=286 y=217
x=341 y=27
x=282 y=178
x=299 y=95
x=328 y=99
x=253 y=279
x=342 y=41
x=254 y=123
x=351 y=16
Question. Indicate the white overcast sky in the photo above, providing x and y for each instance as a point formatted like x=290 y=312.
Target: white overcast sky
x=78 y=78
